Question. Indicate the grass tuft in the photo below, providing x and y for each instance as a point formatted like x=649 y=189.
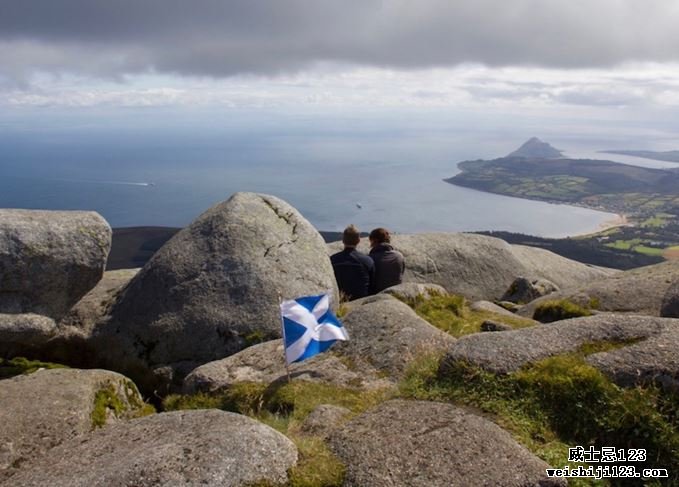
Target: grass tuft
x=557 y=403
x=558 y=309
x=21 y=365
x=451 y=314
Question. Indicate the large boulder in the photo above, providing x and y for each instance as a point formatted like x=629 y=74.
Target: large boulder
x=50 y=259
x=386 y=334
x=41 y=410
x=265 y=363
x=670 y=302
x=638 y=291
x=510 y=350
x=481 y=267
x=215 y=286
x=24 y=331
x=210 y=448
x=420 y=443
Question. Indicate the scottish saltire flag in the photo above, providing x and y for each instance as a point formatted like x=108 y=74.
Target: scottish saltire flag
x=309 y=327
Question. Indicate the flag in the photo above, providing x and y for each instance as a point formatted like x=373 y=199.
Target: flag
x=309 y=327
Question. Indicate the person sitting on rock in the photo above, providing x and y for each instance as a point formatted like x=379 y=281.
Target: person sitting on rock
x=354 y=271
x=389 y=263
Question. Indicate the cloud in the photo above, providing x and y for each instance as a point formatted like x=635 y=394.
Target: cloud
x=222 y=38
x=465 y=86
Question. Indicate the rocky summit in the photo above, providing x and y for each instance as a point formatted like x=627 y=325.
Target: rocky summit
x=216 y=285
x=177 y=373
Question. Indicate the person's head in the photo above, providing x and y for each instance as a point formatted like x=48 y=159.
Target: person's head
x=379 y=236
x=351 y=236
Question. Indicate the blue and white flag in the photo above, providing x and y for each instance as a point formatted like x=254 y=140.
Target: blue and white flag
x=309 y=327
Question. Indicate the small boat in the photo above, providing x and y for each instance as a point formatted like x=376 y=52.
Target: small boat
x=358 y=205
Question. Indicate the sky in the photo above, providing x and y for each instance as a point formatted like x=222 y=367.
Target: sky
x=589 y=60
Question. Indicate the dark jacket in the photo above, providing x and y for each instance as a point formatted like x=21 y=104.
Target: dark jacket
x=389 y=266
x=354 y=272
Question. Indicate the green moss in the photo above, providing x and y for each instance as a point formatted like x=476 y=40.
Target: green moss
x=255 y=337
x=451 y=314
x=106 y=401
x=605 y=346
x=560 y=402
x=317 y=466
x=558 y=309
x=21 y=365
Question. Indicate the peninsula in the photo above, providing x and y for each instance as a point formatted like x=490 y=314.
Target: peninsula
x=647 y=197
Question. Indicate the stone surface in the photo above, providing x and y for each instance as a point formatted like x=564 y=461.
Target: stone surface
x=41 y=410
x=96 y=304
x=419 y=443
x=490 y=325
x=524 y=290
x=386 y=334
x=490 y=308
x=509 y=351
x=24 y=330
x=216 y=284
x=670 y=303
x=410 y=291
x=265 y=362
x=50 y=259
x=638 y=291
x=210 y=448
x=323 y=420
x=481 y=267
x=654 y=360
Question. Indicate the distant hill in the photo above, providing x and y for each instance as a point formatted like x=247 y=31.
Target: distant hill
x=669 y=156
x=594 y=183
x=535 y=148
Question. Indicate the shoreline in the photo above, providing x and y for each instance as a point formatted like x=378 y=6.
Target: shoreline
x=620 y=220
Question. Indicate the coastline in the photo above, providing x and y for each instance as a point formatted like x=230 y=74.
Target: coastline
x=620 y=220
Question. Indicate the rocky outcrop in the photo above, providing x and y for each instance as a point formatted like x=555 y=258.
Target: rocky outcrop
x=22 y=331
x=480 y=267
x=386 y=334
x=215 y=285
x=42 y=410
x=210 y=448
x=638 y=291
x=488 y=307
x=510 y=350
x=670 y=303
x=50 y=259
x=431 y=444
x=265 y=363
x=524 y=290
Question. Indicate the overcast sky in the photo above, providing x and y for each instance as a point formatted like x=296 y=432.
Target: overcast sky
x=597 y=55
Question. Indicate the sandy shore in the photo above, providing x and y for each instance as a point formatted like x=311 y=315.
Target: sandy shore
x=620 y=220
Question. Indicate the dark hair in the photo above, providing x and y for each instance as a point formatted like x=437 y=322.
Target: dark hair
x=351 y=236
x=380 y=235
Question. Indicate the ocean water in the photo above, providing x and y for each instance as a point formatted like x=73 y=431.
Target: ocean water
x=334 y=176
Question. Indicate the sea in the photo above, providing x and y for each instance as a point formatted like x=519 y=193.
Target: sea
x=334 y=174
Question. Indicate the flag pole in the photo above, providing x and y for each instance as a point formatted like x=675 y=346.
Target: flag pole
x=285 y=357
